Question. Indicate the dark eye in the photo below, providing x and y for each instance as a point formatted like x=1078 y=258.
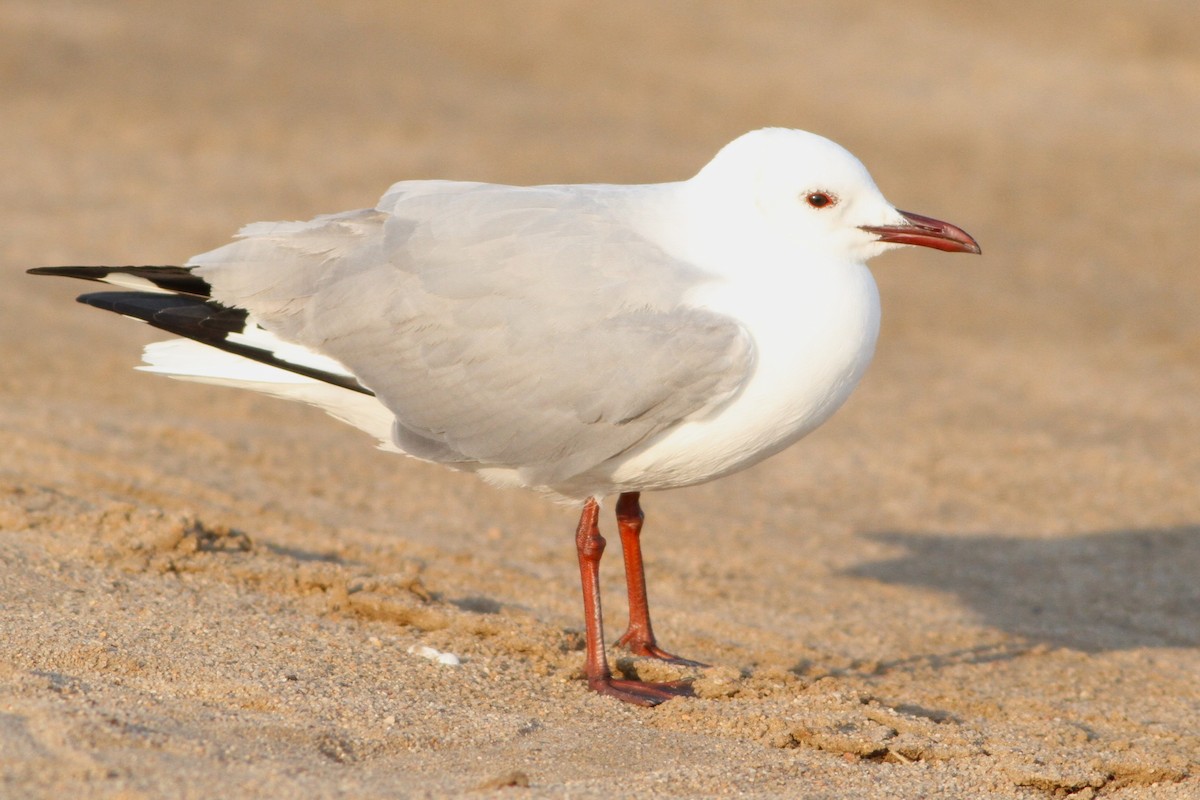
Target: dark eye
x=820 y=199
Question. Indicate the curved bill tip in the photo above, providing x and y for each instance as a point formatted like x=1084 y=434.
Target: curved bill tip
x=923 y=231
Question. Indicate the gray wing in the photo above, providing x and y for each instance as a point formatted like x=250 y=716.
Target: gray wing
x=529 y=328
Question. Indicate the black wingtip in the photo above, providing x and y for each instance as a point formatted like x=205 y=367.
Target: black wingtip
x=180 y=280
x=207 y=322
x=179 y=314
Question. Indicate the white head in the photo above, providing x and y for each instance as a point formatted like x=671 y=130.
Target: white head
x=811 y=195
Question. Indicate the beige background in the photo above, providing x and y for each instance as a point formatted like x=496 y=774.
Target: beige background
x=981 y=579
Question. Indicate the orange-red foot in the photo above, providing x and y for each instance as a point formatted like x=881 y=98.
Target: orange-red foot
x=641 y=693
x=640 y=647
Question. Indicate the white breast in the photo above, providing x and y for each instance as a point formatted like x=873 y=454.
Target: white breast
x=814 y=334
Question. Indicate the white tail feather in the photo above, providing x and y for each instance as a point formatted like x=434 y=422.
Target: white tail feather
x=252 y=335
x=187 y=360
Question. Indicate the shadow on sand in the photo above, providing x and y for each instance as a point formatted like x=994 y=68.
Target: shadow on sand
x=1101 y=591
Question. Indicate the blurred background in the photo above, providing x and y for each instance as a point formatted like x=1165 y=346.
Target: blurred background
x=1063 y=138
x=1020 y=463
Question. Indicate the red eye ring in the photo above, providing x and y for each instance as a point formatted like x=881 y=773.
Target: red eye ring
x=820 y=199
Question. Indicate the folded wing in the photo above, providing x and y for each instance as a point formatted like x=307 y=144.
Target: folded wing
x=527 y=328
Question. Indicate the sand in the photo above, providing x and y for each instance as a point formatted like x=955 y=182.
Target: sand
x=980 y=579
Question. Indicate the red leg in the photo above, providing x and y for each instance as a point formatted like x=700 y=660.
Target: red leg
x=639 y=637
x=590 y=546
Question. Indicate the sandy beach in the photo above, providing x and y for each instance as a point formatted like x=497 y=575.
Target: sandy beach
x=981 y=579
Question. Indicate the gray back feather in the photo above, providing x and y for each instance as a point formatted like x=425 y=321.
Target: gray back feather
x=529 y=328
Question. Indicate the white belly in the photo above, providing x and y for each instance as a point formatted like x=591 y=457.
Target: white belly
x=814 y=336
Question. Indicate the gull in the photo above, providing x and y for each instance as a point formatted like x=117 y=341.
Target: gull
x=582 y=341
